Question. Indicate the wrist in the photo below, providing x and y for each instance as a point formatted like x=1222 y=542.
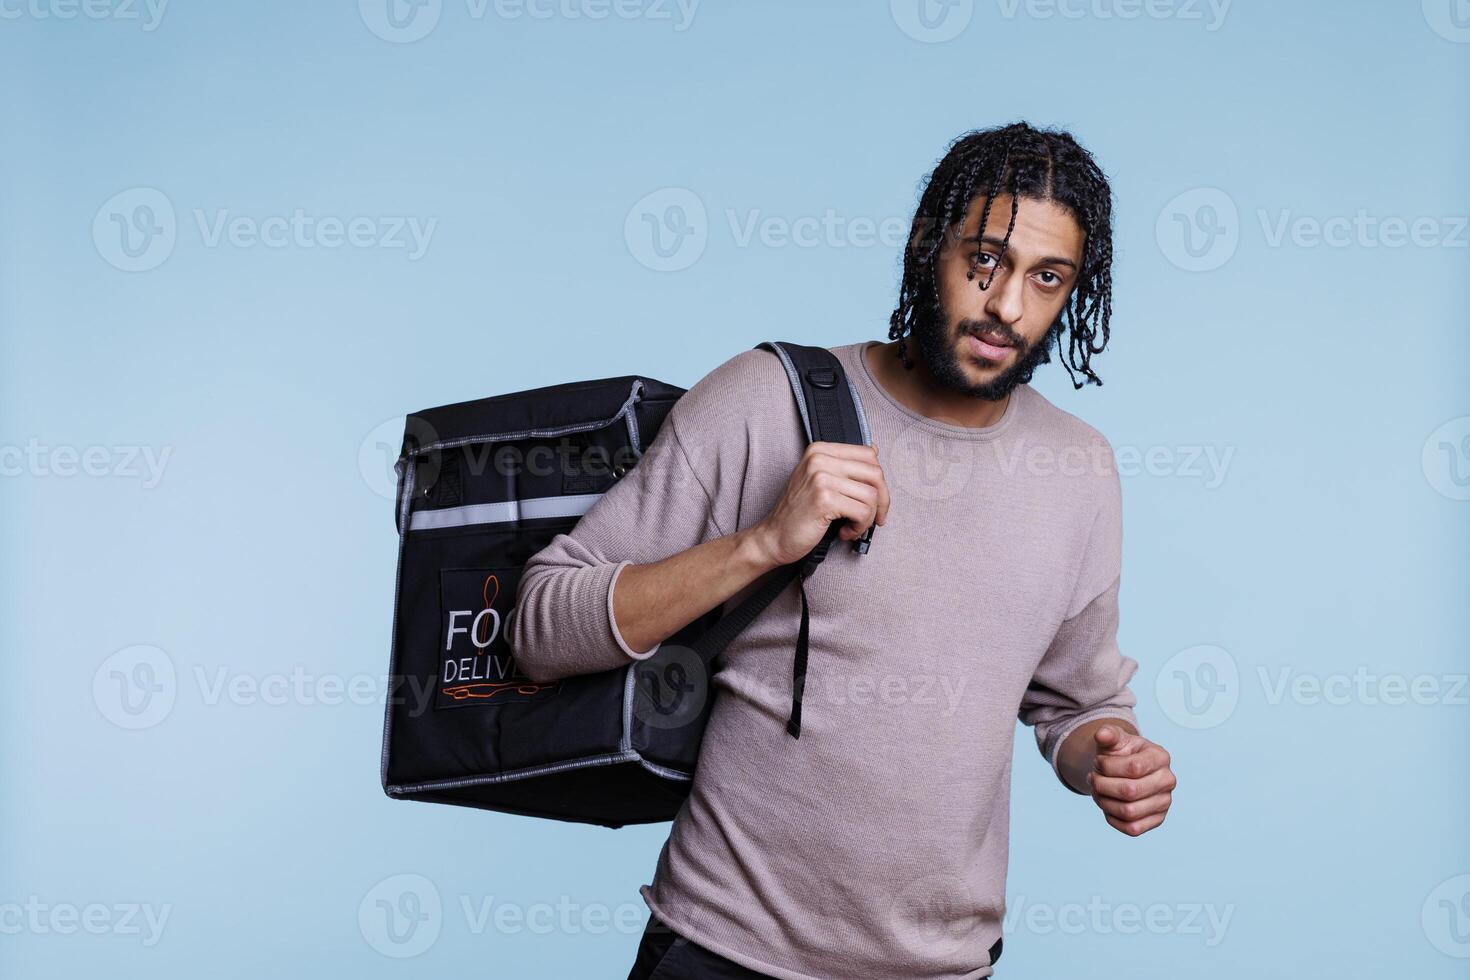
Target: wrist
x=753 y=550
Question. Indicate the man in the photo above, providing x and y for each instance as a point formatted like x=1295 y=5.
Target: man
x=875 y=845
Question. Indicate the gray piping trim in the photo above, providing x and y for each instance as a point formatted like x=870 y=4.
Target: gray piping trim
x=857 y=403
x=530 y=509
x=627 y=406
x=664 y=771
x=609 y=759
x=626 y=742
x=806 y=423
x=631 y=417
x=405 y=494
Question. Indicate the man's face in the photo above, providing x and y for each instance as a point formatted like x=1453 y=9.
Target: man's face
x=983 y=342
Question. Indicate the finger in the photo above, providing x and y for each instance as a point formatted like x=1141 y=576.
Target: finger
x=843 y=450
x=1131 y=810
x=838 y=497
x=1122 y=788
x=1150 y=758
x=862 y=469
x=1134 y=828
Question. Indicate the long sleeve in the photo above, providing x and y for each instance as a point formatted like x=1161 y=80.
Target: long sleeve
x=1083 y=675
x=682 y=492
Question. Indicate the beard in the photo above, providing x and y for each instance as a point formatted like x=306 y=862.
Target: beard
x=938 y=342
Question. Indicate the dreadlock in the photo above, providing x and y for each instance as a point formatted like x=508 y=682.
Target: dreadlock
x=1022 y=161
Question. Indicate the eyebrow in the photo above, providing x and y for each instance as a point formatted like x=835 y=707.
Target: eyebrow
x=996 y=244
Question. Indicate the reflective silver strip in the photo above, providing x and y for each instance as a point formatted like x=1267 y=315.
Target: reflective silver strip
x=574 y=505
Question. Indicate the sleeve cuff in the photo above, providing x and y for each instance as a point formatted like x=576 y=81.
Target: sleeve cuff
x=612 y=621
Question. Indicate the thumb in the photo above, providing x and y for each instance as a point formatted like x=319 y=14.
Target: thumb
x=1110 y=738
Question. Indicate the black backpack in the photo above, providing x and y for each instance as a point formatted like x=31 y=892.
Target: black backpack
x=483 y=486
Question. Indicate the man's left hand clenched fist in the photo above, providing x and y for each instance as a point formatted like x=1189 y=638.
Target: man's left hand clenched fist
x=1131 y=780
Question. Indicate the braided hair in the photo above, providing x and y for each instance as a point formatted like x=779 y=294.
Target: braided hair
x=1022 y=161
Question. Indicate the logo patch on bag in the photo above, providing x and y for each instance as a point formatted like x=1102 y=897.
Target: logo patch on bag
x=476 y=666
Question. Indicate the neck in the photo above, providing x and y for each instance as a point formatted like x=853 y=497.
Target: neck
x=917 y=389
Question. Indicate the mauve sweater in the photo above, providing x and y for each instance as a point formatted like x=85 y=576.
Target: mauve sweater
x=874 y=847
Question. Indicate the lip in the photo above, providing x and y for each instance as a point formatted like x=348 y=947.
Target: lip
x=990 y=352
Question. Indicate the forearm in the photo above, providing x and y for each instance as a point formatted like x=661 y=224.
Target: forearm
x=1078 y=753
x=652 y=602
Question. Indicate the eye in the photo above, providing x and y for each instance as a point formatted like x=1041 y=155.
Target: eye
x=1049 y=278
x=983 y=260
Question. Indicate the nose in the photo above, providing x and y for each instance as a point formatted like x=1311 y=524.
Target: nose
x=1005 y=299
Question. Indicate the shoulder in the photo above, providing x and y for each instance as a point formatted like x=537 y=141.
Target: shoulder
x=1053 y=426
x=745 y=394
x=1074 y=449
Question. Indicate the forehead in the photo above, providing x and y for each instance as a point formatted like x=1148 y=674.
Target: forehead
x=1043 y=228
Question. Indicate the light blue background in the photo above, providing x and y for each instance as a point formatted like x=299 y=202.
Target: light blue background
x=269 y=375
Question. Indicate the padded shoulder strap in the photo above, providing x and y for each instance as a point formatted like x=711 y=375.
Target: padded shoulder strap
x=827 y=400
x=830 y=412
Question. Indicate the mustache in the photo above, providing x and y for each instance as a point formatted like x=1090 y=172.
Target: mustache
x=975 y=328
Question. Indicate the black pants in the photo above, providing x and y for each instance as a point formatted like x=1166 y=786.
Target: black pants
x=663 y=954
